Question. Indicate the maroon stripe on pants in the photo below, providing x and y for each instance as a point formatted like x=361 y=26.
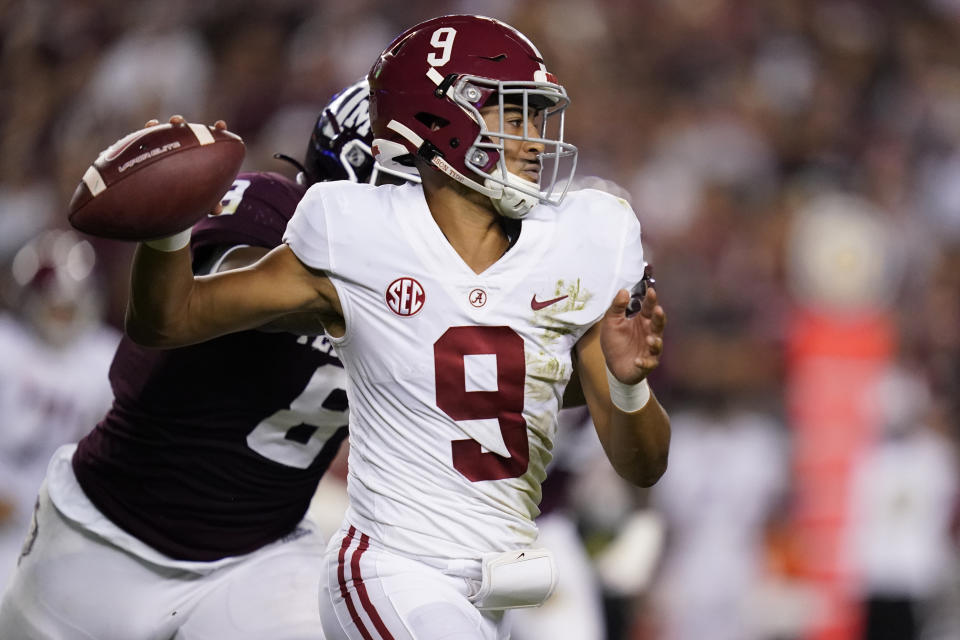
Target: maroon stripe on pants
x=362 y=588
x=344 y=592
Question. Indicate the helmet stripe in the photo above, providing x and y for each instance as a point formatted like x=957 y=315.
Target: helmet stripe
x=544 y=76
x=435 y=75
x=406 y=132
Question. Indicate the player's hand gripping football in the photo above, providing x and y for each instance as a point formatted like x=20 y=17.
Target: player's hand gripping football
x=219 y=125
x=632 y=344
x=157 y=181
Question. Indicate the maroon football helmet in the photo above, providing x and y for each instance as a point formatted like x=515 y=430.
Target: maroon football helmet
x=427 y=89
x=55 y=289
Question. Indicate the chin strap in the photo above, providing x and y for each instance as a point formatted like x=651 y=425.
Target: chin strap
x=493 y=192
x=511 y=203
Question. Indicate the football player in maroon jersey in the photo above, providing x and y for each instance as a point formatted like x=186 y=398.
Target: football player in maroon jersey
x=181 y=514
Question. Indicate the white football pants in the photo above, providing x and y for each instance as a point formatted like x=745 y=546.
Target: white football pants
x=73 y=585
x=370 y=593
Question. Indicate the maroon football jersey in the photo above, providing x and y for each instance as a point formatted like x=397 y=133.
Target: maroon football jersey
x=216 y=449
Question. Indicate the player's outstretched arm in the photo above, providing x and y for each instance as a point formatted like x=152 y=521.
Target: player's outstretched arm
x=635 y=434
x=169 y=307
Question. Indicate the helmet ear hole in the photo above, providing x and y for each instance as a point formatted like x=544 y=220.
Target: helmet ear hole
x=431 y=121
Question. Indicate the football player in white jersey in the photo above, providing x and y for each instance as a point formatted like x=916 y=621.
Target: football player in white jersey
x=460 y=308
x=56 y=350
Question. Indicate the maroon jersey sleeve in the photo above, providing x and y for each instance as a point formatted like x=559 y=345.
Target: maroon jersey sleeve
x=255 y=213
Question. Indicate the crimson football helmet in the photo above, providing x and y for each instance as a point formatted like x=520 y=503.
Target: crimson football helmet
x=427 y=89
x=339 y=147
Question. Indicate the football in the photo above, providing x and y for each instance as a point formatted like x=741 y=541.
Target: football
x=156 y=181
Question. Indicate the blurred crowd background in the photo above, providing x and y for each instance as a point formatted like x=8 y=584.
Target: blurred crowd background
x=795 y=165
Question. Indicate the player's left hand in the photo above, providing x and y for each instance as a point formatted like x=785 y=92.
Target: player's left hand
x=632 y=345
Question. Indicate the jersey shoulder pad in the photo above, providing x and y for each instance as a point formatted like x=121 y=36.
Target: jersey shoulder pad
x=594 y=202
x=597 y=217
x=604 y=225
x=332 y=214
x=342 y=197
x=256 y=210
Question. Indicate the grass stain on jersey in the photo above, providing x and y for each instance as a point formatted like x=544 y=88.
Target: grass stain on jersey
x=544 y=372
x=547 y=373
x=547 y=376
x=576 y=299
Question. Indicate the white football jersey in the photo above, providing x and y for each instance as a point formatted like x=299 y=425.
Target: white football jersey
x=48 y=396
x=456 y=377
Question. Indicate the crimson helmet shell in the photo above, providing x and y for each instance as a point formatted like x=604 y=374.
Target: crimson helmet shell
x=428 y=85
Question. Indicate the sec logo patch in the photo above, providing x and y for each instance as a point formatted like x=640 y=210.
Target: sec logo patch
x=405 y=297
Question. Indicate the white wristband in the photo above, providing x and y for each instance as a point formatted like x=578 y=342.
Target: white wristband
x=171 y=243
x=628 y=397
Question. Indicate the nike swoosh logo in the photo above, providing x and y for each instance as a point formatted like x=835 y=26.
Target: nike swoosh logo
x=536 y=305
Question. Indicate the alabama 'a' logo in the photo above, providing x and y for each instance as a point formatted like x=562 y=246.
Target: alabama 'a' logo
x=405 y=297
